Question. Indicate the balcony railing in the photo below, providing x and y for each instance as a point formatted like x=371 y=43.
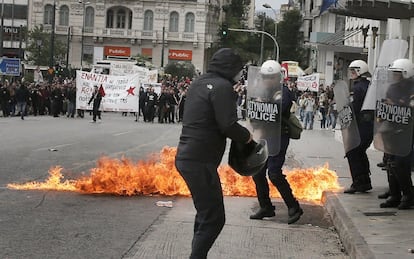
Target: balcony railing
x=155 y=35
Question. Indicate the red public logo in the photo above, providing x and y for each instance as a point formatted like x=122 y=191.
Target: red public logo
x=178 y=54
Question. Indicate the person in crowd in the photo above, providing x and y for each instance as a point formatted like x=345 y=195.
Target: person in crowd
x=309 y=109
x=323 y=103
x=35 y=99
x=301 y=107
x=172 y=103
x=56 y=96
x=332 y=113
x=357 y=157
x=71 y=96
x=5 y=100
x=271 y=72
x=96 y=98
x=22 y=97
x=163 y=106
x=150 y=104
x=141 y=102
x=210 y=116
x=181 y=104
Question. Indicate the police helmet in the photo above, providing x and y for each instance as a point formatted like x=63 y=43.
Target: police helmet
x=270 y=67
x=359 y=66
x=248 y=164
x=405 y=66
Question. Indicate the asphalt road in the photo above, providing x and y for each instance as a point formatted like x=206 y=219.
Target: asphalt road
x=51 y=224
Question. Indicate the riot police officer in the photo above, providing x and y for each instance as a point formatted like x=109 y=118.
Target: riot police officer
x=357 y=157
x=270 y=92
x=394 y=132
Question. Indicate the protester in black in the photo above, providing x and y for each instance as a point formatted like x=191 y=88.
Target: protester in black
x=96 y=98
x=210 y=116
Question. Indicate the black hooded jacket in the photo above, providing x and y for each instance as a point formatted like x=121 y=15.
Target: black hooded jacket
x=210 y=113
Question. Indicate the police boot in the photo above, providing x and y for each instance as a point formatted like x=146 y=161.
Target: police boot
x=268 y=211
x=362 y=183
x=384 y=195
x=406 y=202
x=395 y=194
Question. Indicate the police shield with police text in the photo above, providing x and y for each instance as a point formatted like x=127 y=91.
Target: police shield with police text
x=357 y=156
x=346 y=116
x=264 y=97
x=394 y=132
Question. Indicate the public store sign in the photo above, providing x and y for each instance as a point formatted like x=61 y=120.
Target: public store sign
x=179 y=54
x=10 y=67
x=117 y=51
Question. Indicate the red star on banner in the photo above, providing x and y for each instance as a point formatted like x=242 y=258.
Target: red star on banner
x=131 y=91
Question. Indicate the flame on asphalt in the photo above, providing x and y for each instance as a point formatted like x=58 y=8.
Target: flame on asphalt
x=158 y=176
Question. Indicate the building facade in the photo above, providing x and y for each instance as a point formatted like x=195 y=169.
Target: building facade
x=353 y=30
x=163 y=31
x=14 y=16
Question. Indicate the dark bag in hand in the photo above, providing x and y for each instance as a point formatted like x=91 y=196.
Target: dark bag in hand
x=294 y=125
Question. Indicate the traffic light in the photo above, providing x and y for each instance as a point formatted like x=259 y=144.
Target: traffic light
x=224 y=30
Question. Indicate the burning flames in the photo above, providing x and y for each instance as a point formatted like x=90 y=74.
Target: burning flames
x=160 y=177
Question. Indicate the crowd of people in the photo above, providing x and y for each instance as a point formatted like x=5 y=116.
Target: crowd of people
x=58 y=98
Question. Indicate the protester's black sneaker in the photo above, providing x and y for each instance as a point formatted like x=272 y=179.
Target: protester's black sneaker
x=264 y=212
x=406 y=203
x=358 y=188
x=294 y=214
x=391 y=202
x=384 y=195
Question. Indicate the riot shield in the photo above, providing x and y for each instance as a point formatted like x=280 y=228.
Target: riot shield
x=393 y=126
x=346 y=116
x=390 y=51
x=264 y=99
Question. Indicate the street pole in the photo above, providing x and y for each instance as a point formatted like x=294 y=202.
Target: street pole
x=67 y=48
x=275 y=13
x=83 y=30
x=265 y=33
x=262 y=41
x=2 y=28
x=52 y=37
x=162 y=48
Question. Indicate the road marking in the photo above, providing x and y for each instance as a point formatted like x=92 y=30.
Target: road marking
x=122 y=133
x=54 y=147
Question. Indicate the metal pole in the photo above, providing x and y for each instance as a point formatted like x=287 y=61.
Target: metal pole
x=162 y=48
x=52 y=37
x=83 y=30
x=67 y=48
x=262 y=32
x=262 y=41
x=2 y=28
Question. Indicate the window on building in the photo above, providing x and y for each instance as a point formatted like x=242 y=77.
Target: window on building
x=48 y=15
x=64 y=15
x=173 y=22
x=130 y=20
x=89 y=17
x=148 y=20
x=189 y=22
x=15 y=11
x=120 y=19
x=110 y=19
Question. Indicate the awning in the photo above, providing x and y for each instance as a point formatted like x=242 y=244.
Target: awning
x=375 y=9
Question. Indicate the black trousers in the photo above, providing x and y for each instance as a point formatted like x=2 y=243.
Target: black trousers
x=399 y=176
x=359 y=163
x=204 y=184
x=276 y=176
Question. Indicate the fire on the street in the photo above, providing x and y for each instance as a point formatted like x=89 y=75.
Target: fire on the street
x=158 y=176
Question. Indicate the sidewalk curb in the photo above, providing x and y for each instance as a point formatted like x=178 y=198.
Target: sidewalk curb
x=355 y=245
